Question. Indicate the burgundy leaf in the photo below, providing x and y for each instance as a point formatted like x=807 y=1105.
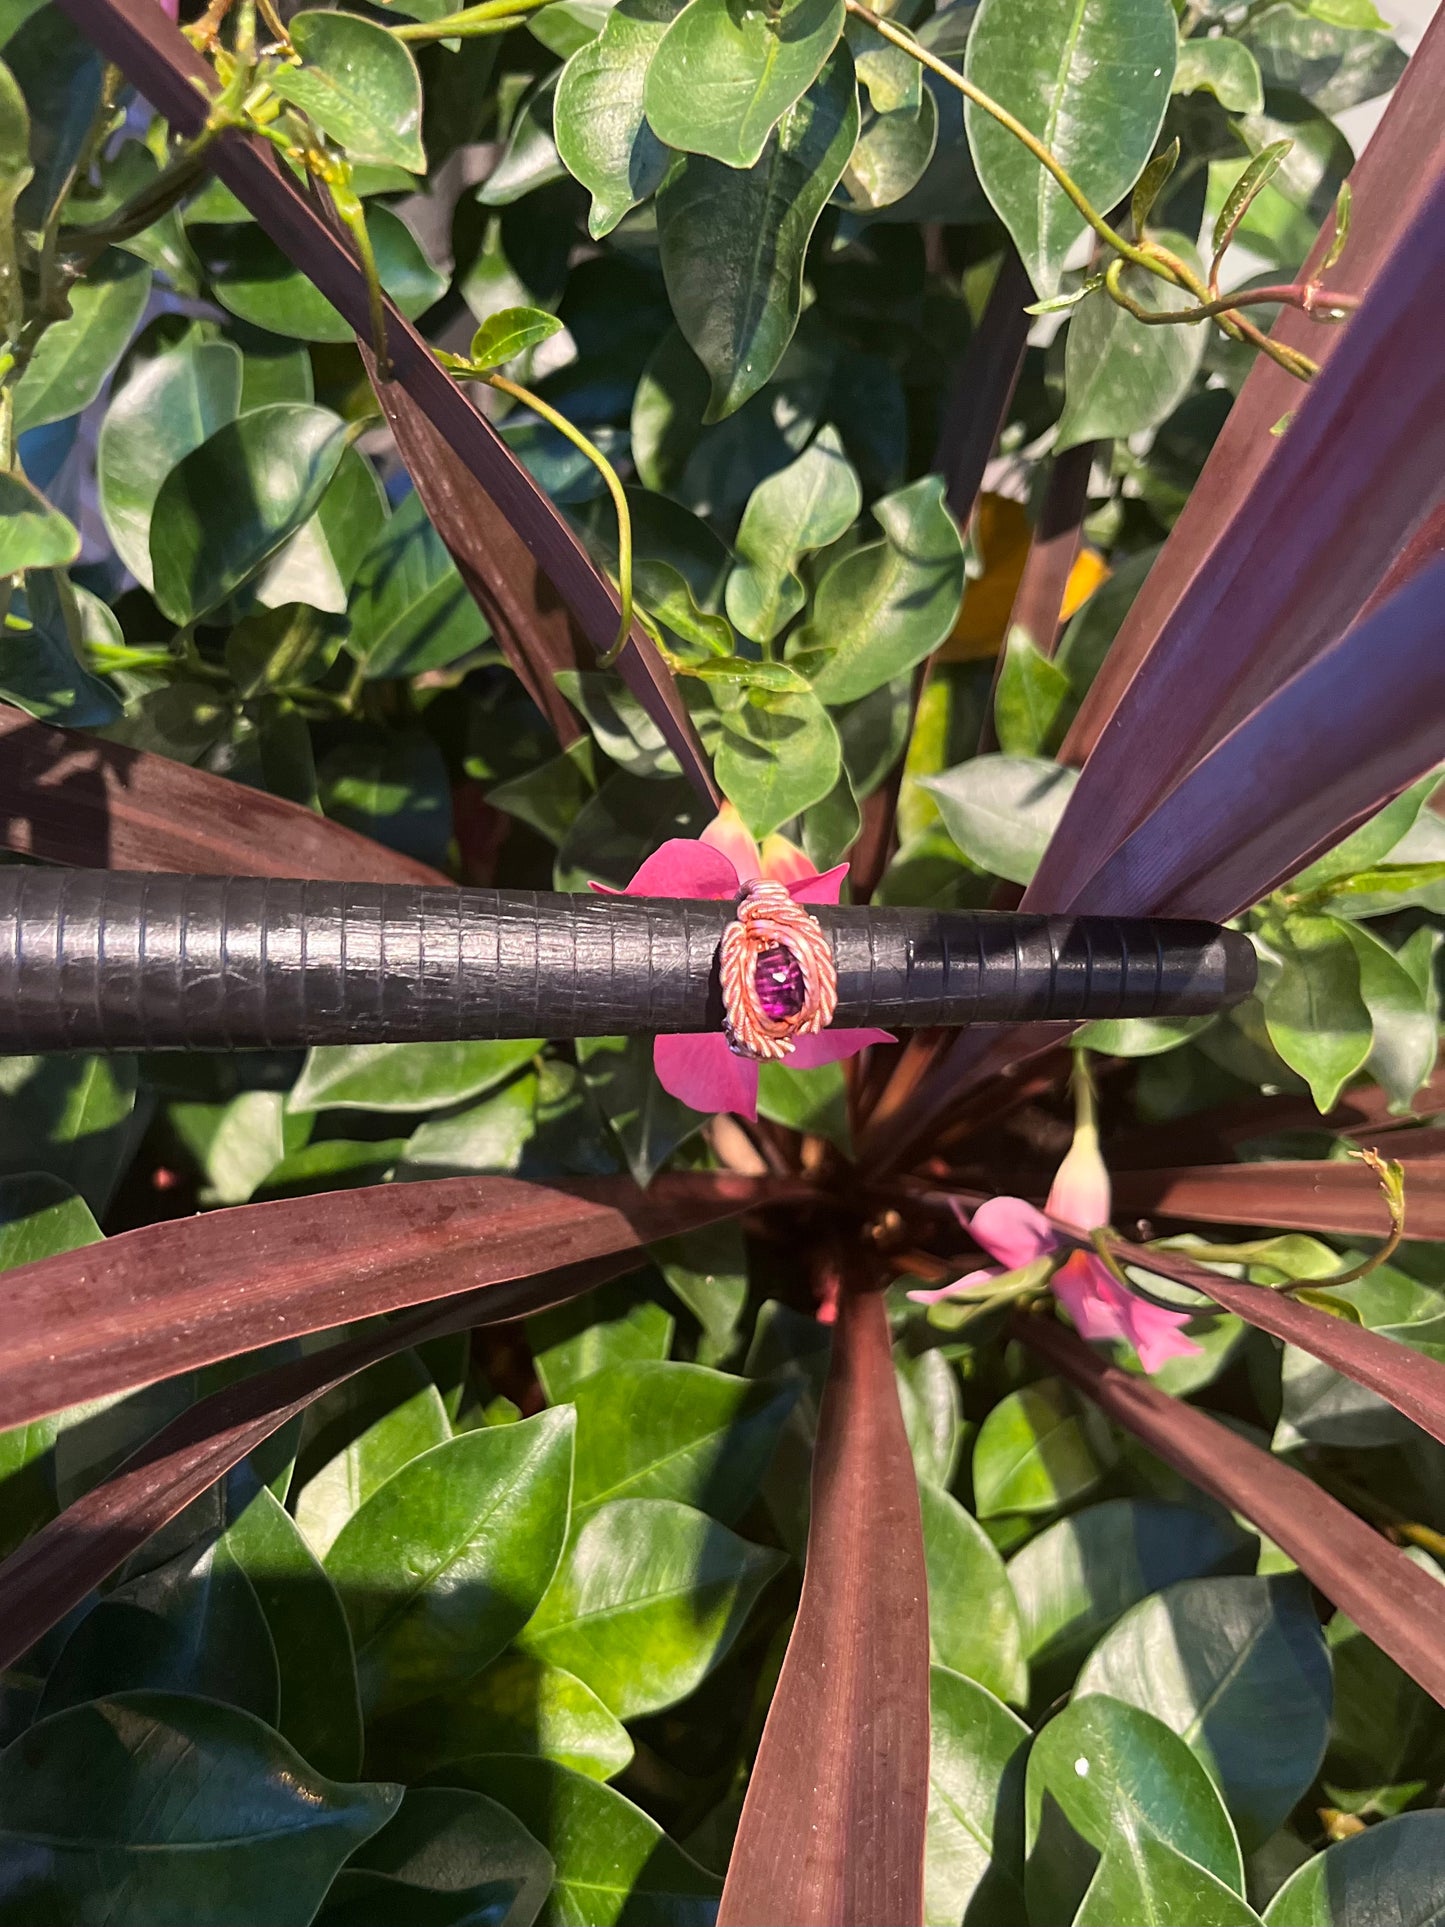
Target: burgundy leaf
x=1397 y=170
x=1389 y=1598
x=71 y=798
x=152 y=53
x=988 y=373
x=1326 y=1196
x=184 y=1293
x=832 y=1828
x=1357 y=471
x=56 y=1567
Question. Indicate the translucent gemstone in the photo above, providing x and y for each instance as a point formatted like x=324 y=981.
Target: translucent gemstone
x=781 y=990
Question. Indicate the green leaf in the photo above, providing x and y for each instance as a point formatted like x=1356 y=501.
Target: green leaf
x=1077 y=1577
x=529 y=160
x=1391 y=1869
x=234 y=500
x=733 y=241
x=33 y=535
x=405 y=1077
x=1357 y=15
x=1238 y=1668
x=598 y=1332
x=648 y=1598
x=614 y=1863
x=565 y=25
x=449 y=1858
x=623 y=730
x=42 y=667
x=1030 y=698
x=16 y=174
x=394 y=787
x=1314 y=1011
x=517 y=1705
x=723 y=76
x=70 y=1116
x=1140 y=1036
x=1092 y=82
x=131 y=1808
x=1369 y=845
x=254 y=280
x=1257 y=174
x=511 y=332
x=318 y=565
x=647 y=1121
x=320 y=1714
x=793 y=513
x=778 y=753
x=1405 y=1031
x=1002 y=810
x=489 y=1137
x=1332 y=67
x=932 y=1413
x=40 y=1215
x=652 y=1430
x=1151 y=1882
x=169 y=406
x=409 y=608
x=886 y=606
x=1039 y=1448
x=1122 y=376
x=445 y=1562
x=1147 y=189
x=1102 y=1777
x=975 y=1774
x=1222 y=67
x=359 y=83
x=891 y=156
x=973 y=1618
x=815 y=1100
x=708 y=1271
x=74 y=356
x=602 y=133
x=1386 y=1728
x=413 y=1421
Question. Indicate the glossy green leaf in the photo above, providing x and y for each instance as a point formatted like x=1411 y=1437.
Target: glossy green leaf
x=415 y=1420
x=42 y=668
x=231 y=502
x=489 y=1137
x=1030 y=699
x=445 y=1562
x=511 y=332
x=723 y=76
x=405 y=1077
x=815 y=1101
x=529 y=160
x=255 y=281
x=1314 y=1011
x=1038 y=1448
x=1386 y=1729
x=932 y=1414
x=1002 y=810
x=733 y=240
x=621 y=727
x=1371 y=843
x=62 y=78
x=169 y=406
x=74 y=356
x=886 y=606
x=40 y=1215
x=778 y=753
x=973 y=1619
x=1332 y=67
x=647 y=1121
x=131 y=1809
x=614 y=1863
x=651 y=1430
x=599 y=1332
x=409 y=608
x=975 y=1785
x=602 y=134
x=71 y=1116
x=447 y=1858
x=891 y=156
x=1149 y=1881
x=793 y=513
x=1077 y=1577
x=319 y=1711
x=1238 y=1668
x=708 y=1271
x=359 y=83
x=517 y=1705
x=33 y=535
x=1404 y=1022
x=1104 y=1777
x=1092 y=82
x=15 y=176
x=1389 y=1873
x=1224 y=67
x=317 y=567
x=1122 y=376
x=1256 y=175
x=649 y=1597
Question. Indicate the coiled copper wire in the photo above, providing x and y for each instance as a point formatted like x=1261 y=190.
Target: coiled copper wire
x=767 y=918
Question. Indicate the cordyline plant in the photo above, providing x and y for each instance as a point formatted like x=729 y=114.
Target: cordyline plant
x=958 y=456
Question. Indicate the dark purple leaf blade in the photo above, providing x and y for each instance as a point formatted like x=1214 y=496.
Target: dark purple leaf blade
x=170 y=1297
x=71 y=798
x=1324 y=1196
x=1390 y=1599
x=832 y=1828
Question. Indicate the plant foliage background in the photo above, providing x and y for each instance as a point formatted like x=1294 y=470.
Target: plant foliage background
x=490 y=1631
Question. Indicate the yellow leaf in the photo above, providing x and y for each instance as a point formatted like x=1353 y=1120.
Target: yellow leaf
x=1001 y=533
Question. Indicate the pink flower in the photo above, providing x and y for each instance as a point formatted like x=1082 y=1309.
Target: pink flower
x=701 y=1070
x=1014 y=1233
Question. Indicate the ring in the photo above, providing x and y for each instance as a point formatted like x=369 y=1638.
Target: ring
x=779 y=982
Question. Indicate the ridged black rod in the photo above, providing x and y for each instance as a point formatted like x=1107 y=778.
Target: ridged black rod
x=108 y=960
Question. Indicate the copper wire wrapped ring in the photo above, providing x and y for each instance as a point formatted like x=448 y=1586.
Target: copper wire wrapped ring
x=778 y=978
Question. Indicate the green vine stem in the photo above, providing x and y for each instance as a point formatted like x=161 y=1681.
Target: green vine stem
x=1298 y=294
x=492 y=16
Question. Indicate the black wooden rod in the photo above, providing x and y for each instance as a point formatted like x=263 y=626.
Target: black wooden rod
x=109 y=960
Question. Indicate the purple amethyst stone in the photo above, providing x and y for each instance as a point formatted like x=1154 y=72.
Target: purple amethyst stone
x=779 y=980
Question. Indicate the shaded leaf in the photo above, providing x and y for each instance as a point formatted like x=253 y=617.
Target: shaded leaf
x=74 y=356
x=1395 y=1866
x=792 y=513
x=974 y=1788
x=42 y=667
x=252 y=279
x=1001 y=811
x=448 y=1857
x=779 y=753
x=1224 y=67
x=973 y=1619
x=1037 y=1449
x=1122 y=376
x=412 y=1421
x=1152 y=1881
x=33 y=535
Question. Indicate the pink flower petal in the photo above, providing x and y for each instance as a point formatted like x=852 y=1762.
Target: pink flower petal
x=1101 y=1308
x=729 y=834
x=784 y=862
x=820 y=889
x=832 y=1046
x=703 y=1072
x=1013 y=1232
x=956 y=1288
x=683 y=868
x=1080 y=1192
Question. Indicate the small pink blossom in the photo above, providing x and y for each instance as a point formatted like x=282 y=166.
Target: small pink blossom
x=701 y=1070
x=1014 y=1233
